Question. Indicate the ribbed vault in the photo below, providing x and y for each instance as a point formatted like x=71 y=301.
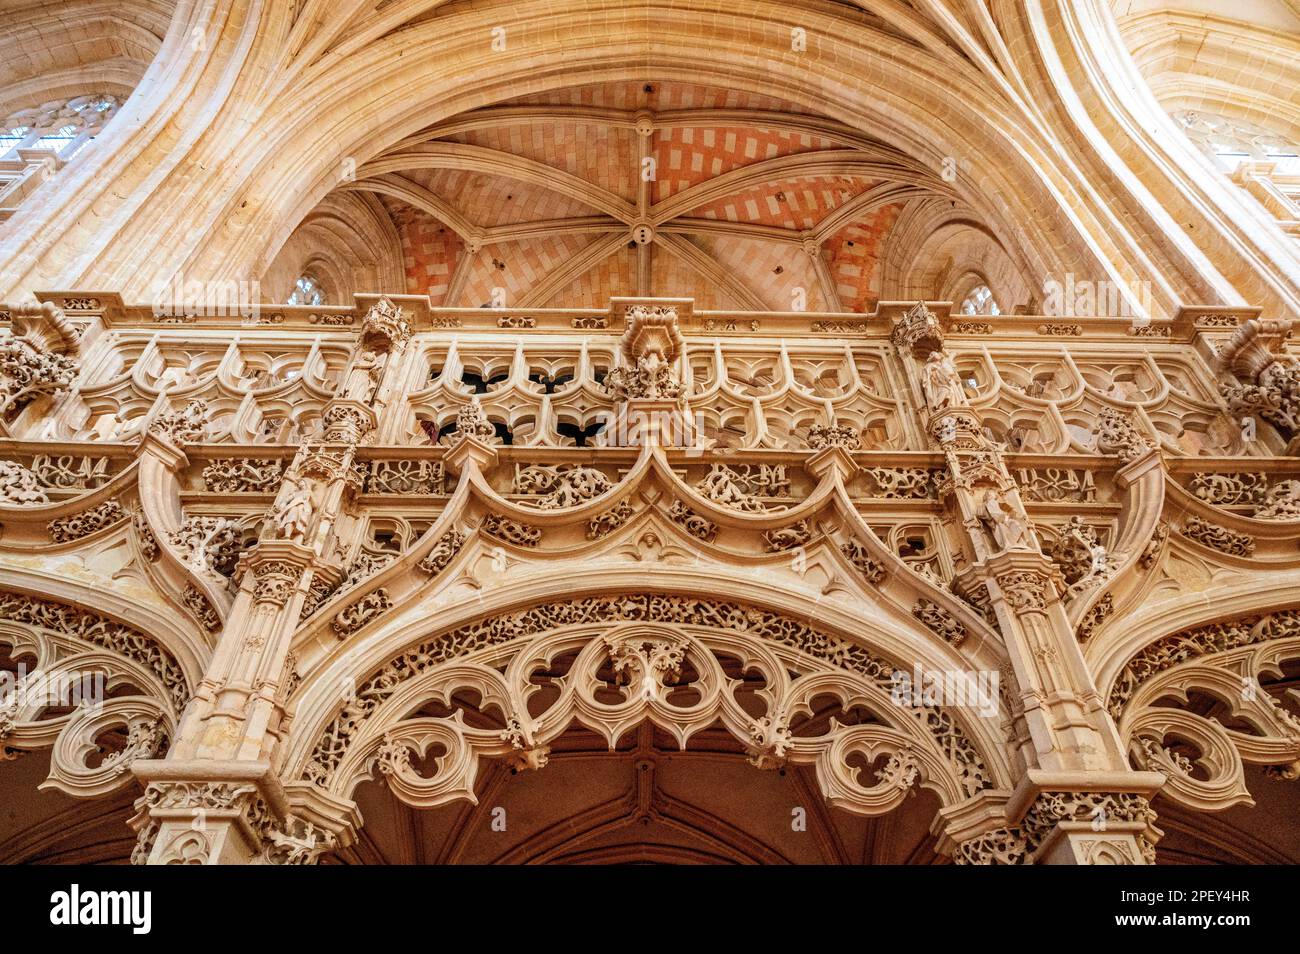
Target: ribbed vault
x=371 y=91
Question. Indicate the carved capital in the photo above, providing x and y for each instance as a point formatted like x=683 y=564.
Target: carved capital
x=274 y=582
x=1026 y=591
x=31 y=360
x=347 y=422
x=1256 y=344
x=918 y=332
x=1071 y=827
x=384 y=328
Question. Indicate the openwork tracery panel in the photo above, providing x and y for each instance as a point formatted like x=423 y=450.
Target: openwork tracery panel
x=1199 y=704
x=630 y=656
x=97 y=691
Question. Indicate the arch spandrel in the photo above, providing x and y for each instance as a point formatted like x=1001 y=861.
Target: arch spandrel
x=653 y=520
x=81 y=674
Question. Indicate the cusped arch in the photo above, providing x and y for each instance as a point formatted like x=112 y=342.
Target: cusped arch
x=1192 y=702
x=92 y=675
x=646 y=640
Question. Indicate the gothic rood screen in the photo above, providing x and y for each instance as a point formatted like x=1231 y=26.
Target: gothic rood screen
x=659 y=464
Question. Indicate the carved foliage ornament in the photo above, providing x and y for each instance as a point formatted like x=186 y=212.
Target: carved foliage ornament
x=199 y=605
x=1080 y=555
x=443 y=552
x=1116 y=433
x=288 y=841
x=371 y=606
x=1100 y=612
x=872 y=570
x=1026 y=591
x=636 y=672
x=27 y=373
x=845 y=436
x=511 y=531
x=737 y=489
x=242 y=475
x=904 y=483
x=1271 y=387
x=1155 y=546
x=1016 y=845
x=1278 y=501
x=69 y=472
x=559 y=486
x=384 y=326
x=471 y=421
x=918 y=332
x=406 y=477
x=940 y=621
x=788 y=538
x=345 y=423
x=366 y=563
x=208 y=544
x=1196 y=643
x=1054 y=484
x=648 y=379
x=76 y=526
x=1218 y=538
x=99 y=631
x=187 y=426
x=692 y=522
x=18 y=485
x=610 y=520
x=275 y=581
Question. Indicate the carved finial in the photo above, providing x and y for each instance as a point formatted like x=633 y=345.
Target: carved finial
x=472 y=421
x=822 y=436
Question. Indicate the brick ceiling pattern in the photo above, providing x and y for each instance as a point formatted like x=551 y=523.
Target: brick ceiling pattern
x=687 y=156
x=792 y=203
x=757 y=269
x=604 y=155
x=854 y=257
x=592 y=288
x=430 y=251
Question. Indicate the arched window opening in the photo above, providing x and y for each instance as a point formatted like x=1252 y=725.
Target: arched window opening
x=12 y=137
x=1230 y=142
x=62 y=127
x=307 y=291
x=980 y=301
